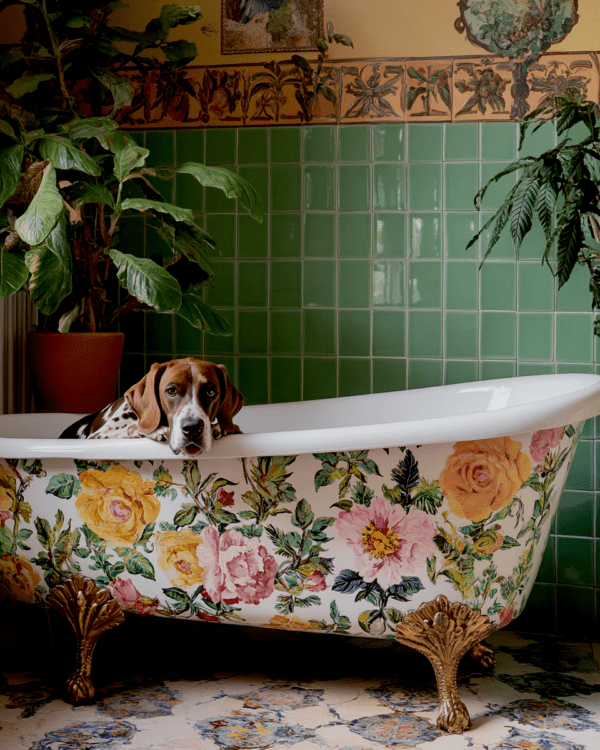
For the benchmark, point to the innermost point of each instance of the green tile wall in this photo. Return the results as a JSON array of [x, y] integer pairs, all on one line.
[[358, 280]]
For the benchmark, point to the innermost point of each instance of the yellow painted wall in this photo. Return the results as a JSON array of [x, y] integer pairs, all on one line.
[[378, 28]]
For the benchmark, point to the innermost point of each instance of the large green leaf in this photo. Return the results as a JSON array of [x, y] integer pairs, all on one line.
[[10, 170], [120, 89], [50, 282], [82, 193], [100, 128], [171, 15], [147, 281], [188, 238], [58, 243], [200, 315], [522, 208], [13, 273], [143, 204], [65, 155], [568, 244], [545, 204], [43, 212], [232, 185], [128, 156], [27, 84]]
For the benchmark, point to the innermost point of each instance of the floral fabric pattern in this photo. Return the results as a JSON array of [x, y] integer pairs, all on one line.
[[345, 542]]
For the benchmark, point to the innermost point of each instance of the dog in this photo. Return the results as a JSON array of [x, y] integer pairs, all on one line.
[[176, 402]]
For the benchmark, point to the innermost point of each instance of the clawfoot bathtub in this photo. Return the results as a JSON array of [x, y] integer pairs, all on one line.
[[419, 515]]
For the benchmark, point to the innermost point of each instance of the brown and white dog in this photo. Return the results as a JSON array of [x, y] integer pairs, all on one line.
[[177, 401]]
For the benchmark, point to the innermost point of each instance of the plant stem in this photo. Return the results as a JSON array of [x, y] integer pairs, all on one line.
[[68, 102]]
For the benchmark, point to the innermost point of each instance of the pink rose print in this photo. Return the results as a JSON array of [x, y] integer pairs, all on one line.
[[237, 568], [387, 543], [543, 441], [507, 615], [126, 594], [4, 516], [223, 497], [315, 582]]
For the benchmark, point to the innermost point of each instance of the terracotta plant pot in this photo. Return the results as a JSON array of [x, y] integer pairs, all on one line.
[[74, 372]]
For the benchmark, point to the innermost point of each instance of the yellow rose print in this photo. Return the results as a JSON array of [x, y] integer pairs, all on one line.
[[482, 476], [18, 578], [177, 557], [117, 504]]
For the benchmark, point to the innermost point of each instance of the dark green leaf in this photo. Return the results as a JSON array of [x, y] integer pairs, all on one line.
[[232, 185], [521, 214], [27, 84], [148, 282], [143, 204], [303, 515], [65, 155], [63, 486], [13, 272], [568, 245], [10, 170], [43, 212], [200, 315]]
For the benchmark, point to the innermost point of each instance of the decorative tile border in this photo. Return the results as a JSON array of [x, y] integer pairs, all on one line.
[[386, 90]]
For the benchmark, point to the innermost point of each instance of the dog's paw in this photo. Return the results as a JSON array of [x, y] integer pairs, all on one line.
[[133, 431], [161, 435], [216, 432]]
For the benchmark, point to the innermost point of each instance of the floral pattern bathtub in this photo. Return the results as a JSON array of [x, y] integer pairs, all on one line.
[[345, 542]]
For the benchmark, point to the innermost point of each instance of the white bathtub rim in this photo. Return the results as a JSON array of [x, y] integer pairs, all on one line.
[[568, 408]]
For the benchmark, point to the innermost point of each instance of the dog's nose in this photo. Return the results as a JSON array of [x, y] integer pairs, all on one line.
[[192, 428]]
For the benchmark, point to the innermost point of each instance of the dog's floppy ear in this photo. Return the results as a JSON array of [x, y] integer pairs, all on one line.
[[231, 402], [143, 399]]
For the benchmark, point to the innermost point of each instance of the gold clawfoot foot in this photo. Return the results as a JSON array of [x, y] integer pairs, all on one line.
[[484, 655], [91, 612], [444, 632]]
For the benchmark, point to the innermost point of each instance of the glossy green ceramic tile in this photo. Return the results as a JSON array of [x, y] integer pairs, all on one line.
[[253, 283], [222, 293], [258, 177], [461, 335], [222, 229], [424, 373], [389, 187], [319, 332], [286, 331], [576, 514], [390, 235], [388, 283], [460, 228], [573, 337], [253, 237], [536, 286], [461, 184], [354, 187], [534, 368], [575, 561], [575, 611], [320, 378], [536, 336], [499, 141], [355, 142], [504, 248], [285, 145], [498, 335], [286, 235], [215, 200], [354, 333], [424, 142], [319, 143], [534, 244], [319, 184], [221, 146], [189, 146], [319, 235], [462, 285], [161, 144], [537, 140], [319, 283], [354, 377], [354, 283], [286, 284], [253, 332], [425, 333], [354, 235], [498, 286], [189, 193], [575, 295], [492, 370], [460, 371], [581, 475], [286, 379], [389, 143], [547, 571], [425, 235], [286, 188], [388, 333], [159, 333], [253, 145], [425, 187], [497, 191], [389, 375], [461, 141], [425, 283], [540, 608], [221, 344], [253, 379]]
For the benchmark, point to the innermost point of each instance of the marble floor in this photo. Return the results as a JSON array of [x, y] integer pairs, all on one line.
[[164, 685]]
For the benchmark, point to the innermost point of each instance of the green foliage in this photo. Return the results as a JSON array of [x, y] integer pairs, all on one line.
[[69, 177], [561, 186]]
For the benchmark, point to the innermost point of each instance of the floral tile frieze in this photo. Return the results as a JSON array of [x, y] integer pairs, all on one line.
[[358, 91]]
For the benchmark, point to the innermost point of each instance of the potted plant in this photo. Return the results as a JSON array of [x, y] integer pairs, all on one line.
[[69, 179], [561, 186]]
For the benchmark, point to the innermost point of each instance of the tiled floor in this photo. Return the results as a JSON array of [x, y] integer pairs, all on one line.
[[165, 685]]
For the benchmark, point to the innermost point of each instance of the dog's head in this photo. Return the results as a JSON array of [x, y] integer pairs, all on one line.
[[186, 396]]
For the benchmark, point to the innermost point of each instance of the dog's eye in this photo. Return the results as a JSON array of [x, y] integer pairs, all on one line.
[[211, 391], [171, 390]]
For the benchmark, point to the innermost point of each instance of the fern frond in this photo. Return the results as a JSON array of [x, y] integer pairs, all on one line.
[[522, 208], [569, 243], [545, 204]]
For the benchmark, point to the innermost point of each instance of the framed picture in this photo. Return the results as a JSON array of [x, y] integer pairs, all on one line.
[[270, 25]]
